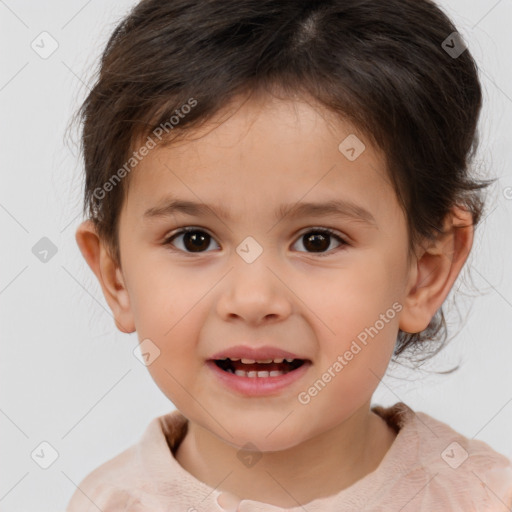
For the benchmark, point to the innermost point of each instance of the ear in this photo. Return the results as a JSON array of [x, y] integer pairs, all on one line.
[[435, 270], [109, 275]]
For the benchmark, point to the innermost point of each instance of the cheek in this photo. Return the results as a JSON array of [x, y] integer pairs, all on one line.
[[352, 298], [359, 309], [159, 296], [171, 319], [175, 330]]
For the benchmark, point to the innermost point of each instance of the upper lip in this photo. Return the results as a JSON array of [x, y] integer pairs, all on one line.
[[261, 353]]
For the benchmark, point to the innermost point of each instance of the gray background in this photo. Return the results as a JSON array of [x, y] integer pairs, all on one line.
[[69, 378]]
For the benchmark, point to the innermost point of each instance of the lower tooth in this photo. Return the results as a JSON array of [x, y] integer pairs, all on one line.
[[254, 374]]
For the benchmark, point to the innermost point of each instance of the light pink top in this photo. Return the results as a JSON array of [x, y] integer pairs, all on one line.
[[428, 468]]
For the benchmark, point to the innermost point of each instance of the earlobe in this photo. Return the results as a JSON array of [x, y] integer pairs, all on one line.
[[435, 270], [108, 274]]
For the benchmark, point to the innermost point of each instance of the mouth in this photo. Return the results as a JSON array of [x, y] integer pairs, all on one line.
[[258, 372], [254, 369]]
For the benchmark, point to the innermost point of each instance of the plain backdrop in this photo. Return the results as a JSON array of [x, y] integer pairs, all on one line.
[[70, 379]]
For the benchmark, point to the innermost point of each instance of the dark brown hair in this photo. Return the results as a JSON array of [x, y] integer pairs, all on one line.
[[380, 64]]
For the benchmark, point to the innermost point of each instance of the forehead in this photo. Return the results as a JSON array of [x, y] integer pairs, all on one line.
[[261, 151]]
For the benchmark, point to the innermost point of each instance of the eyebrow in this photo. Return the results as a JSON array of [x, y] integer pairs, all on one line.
[[336, 207]]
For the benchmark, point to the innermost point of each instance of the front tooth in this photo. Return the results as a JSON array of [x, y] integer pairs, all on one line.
[[264, 361], [280, 360], [248, 361], [262, 374], [252, 374]]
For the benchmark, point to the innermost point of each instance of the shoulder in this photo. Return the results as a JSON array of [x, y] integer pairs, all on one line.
[[122, 482], [446, 468], [106, 488]]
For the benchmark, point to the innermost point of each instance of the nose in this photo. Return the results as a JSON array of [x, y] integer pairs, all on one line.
[[254, 293]]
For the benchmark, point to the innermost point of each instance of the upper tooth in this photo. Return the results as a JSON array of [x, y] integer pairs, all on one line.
[[264, 361]]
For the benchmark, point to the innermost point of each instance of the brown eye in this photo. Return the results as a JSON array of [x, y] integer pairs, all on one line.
[[193, 240], [319, 240]]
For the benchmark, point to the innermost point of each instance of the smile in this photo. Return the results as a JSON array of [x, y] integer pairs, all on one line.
[[254, 378]]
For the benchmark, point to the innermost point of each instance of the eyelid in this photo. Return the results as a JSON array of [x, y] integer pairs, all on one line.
[[184, 229], [327, 229]]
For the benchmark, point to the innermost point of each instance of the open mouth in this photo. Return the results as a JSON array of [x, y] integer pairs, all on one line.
[[259, 369]]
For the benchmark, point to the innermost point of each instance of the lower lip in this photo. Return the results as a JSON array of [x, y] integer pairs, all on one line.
[[258, 386]]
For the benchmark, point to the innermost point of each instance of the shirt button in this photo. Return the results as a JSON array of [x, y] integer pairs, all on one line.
[[228, 502]]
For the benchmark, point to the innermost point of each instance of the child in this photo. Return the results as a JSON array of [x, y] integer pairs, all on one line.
[[220, 139]]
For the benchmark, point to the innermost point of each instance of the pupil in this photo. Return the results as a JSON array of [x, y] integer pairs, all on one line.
[[319, 246], [197, 239]]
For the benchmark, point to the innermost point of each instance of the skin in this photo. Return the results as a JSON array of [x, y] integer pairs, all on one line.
[[270, 152]]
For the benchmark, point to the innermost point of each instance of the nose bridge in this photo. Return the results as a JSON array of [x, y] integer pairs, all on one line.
[[252, 289], [250, 250], [251, 261]]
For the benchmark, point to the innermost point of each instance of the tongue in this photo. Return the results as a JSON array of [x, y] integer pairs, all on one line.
[[262, 367]]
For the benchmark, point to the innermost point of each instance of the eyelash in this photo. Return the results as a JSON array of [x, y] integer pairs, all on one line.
[[325, 231]]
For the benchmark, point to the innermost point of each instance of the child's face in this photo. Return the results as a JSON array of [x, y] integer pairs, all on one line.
[[312, 304]]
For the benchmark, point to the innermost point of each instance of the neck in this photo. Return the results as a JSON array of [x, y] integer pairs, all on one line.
[[320, 467]]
